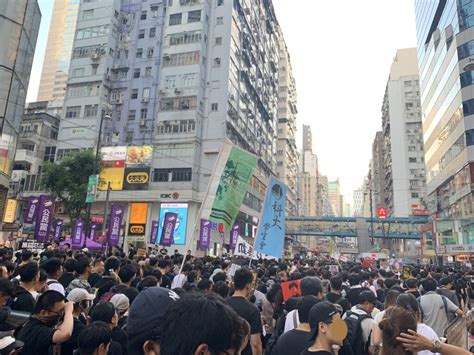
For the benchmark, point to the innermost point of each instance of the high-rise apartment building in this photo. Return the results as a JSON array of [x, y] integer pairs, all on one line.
[[358, 202], [58, 51], [377, 172], [19, 26], [183, 76], [324, 203], [335, 197], [404, 187], [308, 177], [445, 44]]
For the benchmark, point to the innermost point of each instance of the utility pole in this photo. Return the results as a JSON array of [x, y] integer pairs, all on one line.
[[371, 218], [107, 196]]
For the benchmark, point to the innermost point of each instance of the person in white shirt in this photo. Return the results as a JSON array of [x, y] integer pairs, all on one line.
[[54, 269], [180, 279]]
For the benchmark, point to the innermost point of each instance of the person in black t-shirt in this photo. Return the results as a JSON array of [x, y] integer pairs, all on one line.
[[96, 272], [239, 303], [412, 286], [107, 281], [29, 277], [164, 265], [105, 312], [68, 274], [335, 295], [95, 339], [297, 340]]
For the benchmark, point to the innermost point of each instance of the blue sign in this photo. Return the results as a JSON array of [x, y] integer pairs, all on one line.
[[271, 229], [181, 209]]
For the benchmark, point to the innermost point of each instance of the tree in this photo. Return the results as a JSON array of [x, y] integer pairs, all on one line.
[[67, 181]]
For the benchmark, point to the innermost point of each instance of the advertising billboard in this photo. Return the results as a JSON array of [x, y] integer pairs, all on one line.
[[10, 211], [181, 209], [136, 178], [139, 155], [138, 217], [113, 153]]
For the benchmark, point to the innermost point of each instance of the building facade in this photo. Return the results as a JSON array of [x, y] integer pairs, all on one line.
[[57, 56], [335, 197], [308, 177], [403, 149], [377, 171], [19, 26], [324, 203], [358, 202]]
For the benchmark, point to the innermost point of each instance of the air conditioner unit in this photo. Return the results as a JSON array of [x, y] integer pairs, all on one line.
[[118, 101], [95, 56], [177, 91], [166, 56], [142, 123]]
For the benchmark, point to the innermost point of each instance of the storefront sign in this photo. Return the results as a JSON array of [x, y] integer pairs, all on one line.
[[138, 218], [136, 178], [10, 211]]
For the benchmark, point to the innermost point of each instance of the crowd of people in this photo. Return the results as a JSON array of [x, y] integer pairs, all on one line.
[[62, 301]]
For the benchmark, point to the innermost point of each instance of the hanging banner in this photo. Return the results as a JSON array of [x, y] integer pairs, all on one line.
[[77, 233], [92, 188], [10, 211], [154, 231], [32, 209], [246, 250], [167, 232], [271, 229], [232, 186], [234, 235], [92, 230], [44, 218], [58, 230], [115, 223], [205, 234]]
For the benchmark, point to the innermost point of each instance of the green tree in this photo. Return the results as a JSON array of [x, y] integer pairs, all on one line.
[[67, 181]]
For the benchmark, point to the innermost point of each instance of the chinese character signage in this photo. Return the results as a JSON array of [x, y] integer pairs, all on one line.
[[136, 178], [154, 232], [271, 230], [205, 234], [92, 230], [181, 209], [112, 172], [31, 209], [91, 189], [58, 230], [382, 212], [115, 224], [138, 218], [77, 233], [232, 186], [44, 218], [10, 211], [246, 250], [167, 231], [234, 234]]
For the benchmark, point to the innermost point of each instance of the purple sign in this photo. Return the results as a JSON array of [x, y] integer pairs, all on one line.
[[167, 232], [44, 218], [154, 232], [205, 234], [77, 233], [92, 245], [234, 235], [58, 230], [92, 231], [32, 209], [115, 223]]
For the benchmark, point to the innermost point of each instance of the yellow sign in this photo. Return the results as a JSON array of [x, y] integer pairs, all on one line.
[[137, 229], [112, 175], [138, 213], [10, 211], [139, 155], [137, 178], [4, 161]]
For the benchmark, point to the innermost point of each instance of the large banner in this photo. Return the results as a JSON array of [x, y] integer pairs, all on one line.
[[167, 232], [154, 232], [31, 209], [115, 222], [181, 209], [58, 230], [246, 250], [44, 218], [205, 234], [234, 235], [232, 186], [138, 219], [77, 233], [271, 229]]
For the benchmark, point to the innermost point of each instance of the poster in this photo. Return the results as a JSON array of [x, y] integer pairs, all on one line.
[[44, 218], [114, 176], [291, 289], [271, 230], [115, 224], [246, 250], [154, 232], [58, 230], [234, 235], [10, 211], [232, 187], [181, 209]]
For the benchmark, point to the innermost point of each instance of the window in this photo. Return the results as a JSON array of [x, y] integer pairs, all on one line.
[[217, 62], [129, 137], [161, 175], [412, 160], [94, 69], [154, 11], [134, 94], [415, 195], [146, 95], [150, 52], [49, 153], [407, 84], [179, 103], [118, 115], [143, 15], [91, 110], [178, 59], [175, 19], [123, 74], [131, 115], [152, 32], [220, 21], [214, 107], [182, 174], [409, 105], [184, 38], [73, 111], [77, 72], [143, 113], [139, 53], [87, 15], [136, 73], [194, 16], [148, 71], [220, 2], [141, 34], [218, 41], [188, 80], [91, 32], [179, 126]]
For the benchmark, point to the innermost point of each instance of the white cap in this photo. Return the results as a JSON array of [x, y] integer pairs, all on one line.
[[79, 294]]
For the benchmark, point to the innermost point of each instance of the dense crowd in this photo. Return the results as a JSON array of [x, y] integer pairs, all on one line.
[[76, 302]]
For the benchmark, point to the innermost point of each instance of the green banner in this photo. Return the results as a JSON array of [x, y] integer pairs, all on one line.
[[91, 189], [232, 187]]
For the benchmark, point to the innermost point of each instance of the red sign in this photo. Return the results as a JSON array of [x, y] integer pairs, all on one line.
[[419, 212], [382, 212]]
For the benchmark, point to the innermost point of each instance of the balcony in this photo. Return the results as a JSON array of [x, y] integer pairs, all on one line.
[[25, 156]]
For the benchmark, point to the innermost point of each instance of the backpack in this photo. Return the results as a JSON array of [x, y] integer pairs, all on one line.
[[355, 334], [277, 332]]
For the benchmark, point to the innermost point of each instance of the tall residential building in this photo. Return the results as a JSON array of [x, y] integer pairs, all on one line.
[[358, 202], [377, 171], [308, 177], [19, 26], [405, 180], [336, 198], [445, 43], [325, 207], [58, 51], [287, 154], [183, 76]]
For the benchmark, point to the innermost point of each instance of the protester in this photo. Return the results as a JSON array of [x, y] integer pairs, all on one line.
[[180, 279], [29, 276], [396, 321], [95, 339], [164, 266], [335, 295], [105, 312], [97, 270], [83, 270], [390, 300], [121, 304], [68, 273], [54, 270]]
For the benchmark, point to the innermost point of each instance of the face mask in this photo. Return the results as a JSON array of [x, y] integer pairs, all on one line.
[[50, 321]]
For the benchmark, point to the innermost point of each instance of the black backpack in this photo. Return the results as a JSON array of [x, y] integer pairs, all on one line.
[[355, 334], [277, 332]]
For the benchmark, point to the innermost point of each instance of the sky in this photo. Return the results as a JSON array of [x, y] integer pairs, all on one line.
[[341, 52]]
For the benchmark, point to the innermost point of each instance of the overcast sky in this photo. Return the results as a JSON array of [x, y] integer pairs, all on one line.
[[341, 54]]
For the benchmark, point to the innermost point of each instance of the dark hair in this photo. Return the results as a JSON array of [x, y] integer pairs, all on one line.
[[336, 283], [411, 283], [307, 302], [391, 298], [163, 263], [28, 272], [26, 255], [147, 281], [311, 286], [127, 273], [43, 276], [397, 320], [444, 281], [409, 302], [221, 288], [82, 264], [51, 266], [149, 271], [204, 284], [221, 328], [354, 279], [7, 288], [111, 263], [152, 261], [429, 284], [70, 265], [93, 336], [47, 300], [192, 276], [131, 293], [389, 283], [242, 278], [220, 276], [103, 312]]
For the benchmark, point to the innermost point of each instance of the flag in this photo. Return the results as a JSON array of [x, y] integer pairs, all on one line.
[[205, 234], [44, 218], [32, 209], [115, 223], [234, 234], [169, 224], [58, 230], [154, 232], [92, 231], [77, 233]]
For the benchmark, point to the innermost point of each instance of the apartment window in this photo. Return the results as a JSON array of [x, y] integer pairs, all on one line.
[[91, 110], [179, 103], [175, 19], [194, 16], [182, 174], [73, 111], [141, 34], [218, 41], [87, 15], [412, 160], [150, 52], [91, 32], [154, 11], [131, 115], [129, 137], [152, 32], [220, 20], [187, 58], [94, 69], [134, 94], [409, 105], [49, 153], [161, 175], [184, 38], [118, 115], [146, 95], [189, 80], [139, 53], [148, 71], [136, 73], [415, 195], [123, 74], [143, 15], [143, 113], [220, 2], [214, 107], [77, 72], [407, 84]]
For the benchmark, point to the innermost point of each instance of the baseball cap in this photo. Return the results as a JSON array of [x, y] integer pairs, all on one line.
[[367, 296], [320, 312], [79, 294], [8, 343], [120, 302]]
